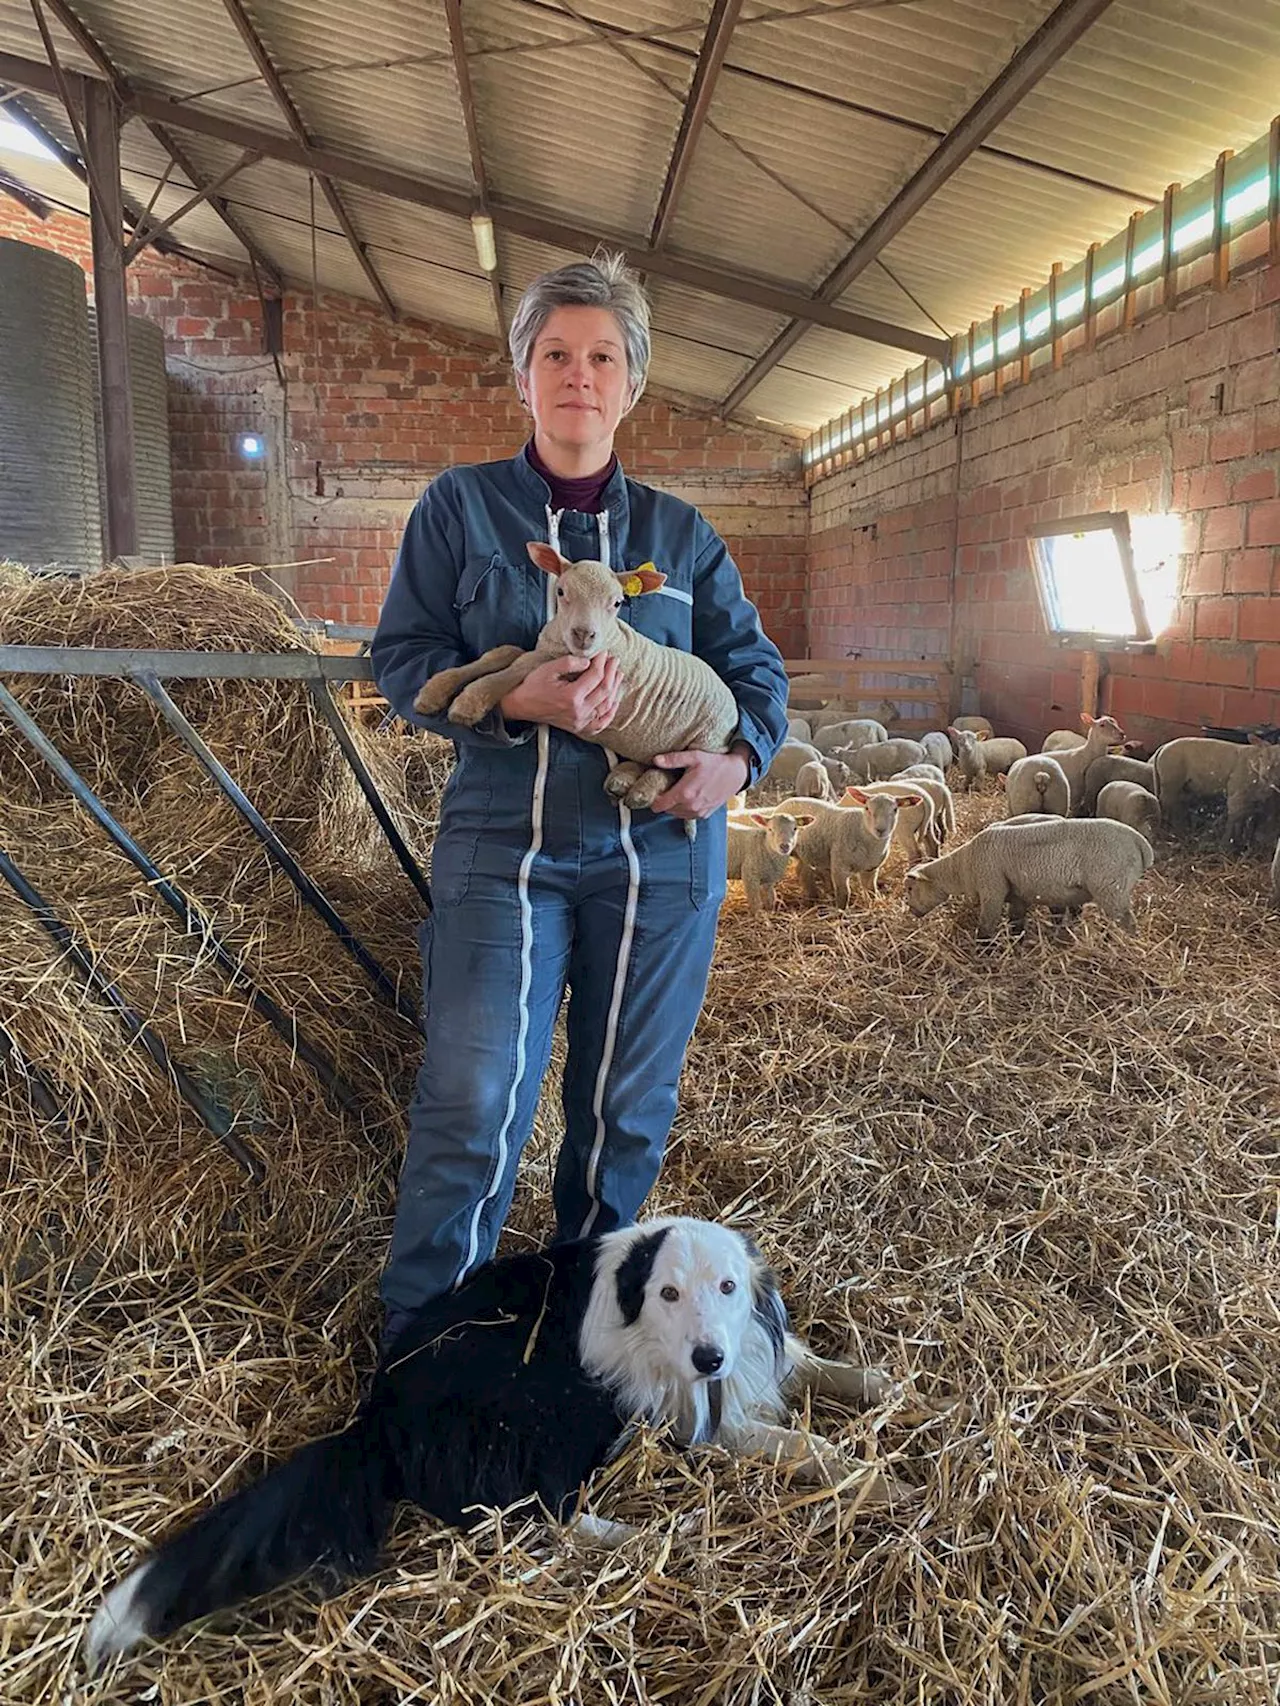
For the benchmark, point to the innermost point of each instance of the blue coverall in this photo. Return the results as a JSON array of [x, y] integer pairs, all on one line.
[[539, 878]]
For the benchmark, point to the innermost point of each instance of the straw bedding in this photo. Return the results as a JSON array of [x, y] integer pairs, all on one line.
[[1039, 1178]]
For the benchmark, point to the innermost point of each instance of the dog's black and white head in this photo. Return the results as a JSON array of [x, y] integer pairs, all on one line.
[[685, 1324]]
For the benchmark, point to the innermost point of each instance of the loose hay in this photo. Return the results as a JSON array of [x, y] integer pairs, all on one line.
[[1043, 1175]]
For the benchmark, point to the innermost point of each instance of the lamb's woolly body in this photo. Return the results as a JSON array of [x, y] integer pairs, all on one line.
[[937, 749], [883, 760], [1197, 768], [813, 781], [789, 758], [1114, 767], [1127, 803], [1062, 740], [975, 725], [1000, 754], [856, 732], [969, 759], [798, 729], [1037, 784], [1060, 862], [1101, 733]]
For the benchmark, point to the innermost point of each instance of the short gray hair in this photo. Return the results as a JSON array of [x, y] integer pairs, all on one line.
[[605, 281]]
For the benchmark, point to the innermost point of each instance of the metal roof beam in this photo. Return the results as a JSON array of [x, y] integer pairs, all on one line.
[[1060, 31], [124, 94], [715, 44], [777, 298], [271, 77], [466, 94]]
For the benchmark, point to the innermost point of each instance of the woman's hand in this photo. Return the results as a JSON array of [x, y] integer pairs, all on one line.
[[579, 695], [708, 781]]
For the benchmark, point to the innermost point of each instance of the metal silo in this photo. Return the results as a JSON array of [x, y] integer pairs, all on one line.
[[152, 467], [50, 510]]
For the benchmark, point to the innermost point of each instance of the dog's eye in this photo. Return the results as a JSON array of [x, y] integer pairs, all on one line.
[[727, 1286], [670, 1294]]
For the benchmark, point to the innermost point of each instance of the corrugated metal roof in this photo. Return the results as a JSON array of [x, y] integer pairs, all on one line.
[[577, 119]]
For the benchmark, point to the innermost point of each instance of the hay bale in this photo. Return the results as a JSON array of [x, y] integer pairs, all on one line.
[[1043, 1176]]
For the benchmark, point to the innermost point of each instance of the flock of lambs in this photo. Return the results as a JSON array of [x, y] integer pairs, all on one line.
[[1081, 825]]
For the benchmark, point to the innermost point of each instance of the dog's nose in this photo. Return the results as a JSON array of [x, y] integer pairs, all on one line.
[[707, 1358], [583, 637]]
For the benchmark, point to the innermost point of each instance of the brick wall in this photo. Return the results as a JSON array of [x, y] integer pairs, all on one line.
[[1179, 414], [369, 411]]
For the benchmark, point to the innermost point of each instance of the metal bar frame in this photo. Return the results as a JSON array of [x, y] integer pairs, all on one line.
[[143, 237], [1060, 31], [271, 77], [184, 666], [38, 1082], [192, 916], [310, 891], [125, 94], [711, 56], [777, 297], [135, 1028]]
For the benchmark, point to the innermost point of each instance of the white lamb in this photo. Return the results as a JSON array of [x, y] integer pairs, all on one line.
[[1000, 753], [970, 761], [1062, 740], [1127, 803], [1100, 733], [844, 843], [814, 782], [1057, 862], [798, 728], [924, 771], [852, 731], [981, 726], [789, 758], [878, 763], [760, 851], [937, 747], [916, 830], [1195, 769], [1037, 784], [1114, 767], [670, 701]]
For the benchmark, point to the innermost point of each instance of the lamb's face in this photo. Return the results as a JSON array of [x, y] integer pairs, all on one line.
[[922, 893], [588, 598]]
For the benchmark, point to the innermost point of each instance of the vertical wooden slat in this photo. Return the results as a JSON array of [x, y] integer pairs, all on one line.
[[1089, 669], [973, 377], [1273, 192], [1130, 289], [1055, 330], [1024, 354], [1169, 279], [998, 369], [927, 400], [1090, 309], [106, 223], [1221, 235]]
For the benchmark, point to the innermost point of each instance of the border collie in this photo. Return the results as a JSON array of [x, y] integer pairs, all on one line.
[[515, 1387]]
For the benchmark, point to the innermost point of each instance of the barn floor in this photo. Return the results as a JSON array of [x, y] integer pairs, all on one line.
[[1041, 1178]]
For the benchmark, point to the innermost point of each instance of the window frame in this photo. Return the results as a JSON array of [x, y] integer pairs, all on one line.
[[1115, 522]]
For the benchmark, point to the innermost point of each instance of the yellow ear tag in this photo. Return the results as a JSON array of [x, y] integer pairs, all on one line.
[[633, 586]]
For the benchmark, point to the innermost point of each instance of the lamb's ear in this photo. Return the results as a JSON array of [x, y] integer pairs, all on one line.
[[1087, 720], [767, 1307], [548, 560], [650, 580], [905, 800], [762, 818]]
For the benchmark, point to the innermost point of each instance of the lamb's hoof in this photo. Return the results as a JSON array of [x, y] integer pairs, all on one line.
[[616, 786], [434, 695], [468, 708], [641, 795]]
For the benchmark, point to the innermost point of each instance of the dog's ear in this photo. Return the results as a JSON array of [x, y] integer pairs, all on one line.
[[767, 1307], [633, 1273]]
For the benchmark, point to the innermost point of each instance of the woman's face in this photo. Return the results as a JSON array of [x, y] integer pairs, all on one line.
[[578, 386]]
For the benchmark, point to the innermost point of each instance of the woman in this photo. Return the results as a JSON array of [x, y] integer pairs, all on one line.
[[539, 879]]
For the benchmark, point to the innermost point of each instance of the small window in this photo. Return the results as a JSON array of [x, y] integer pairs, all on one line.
[[1086, 579]]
